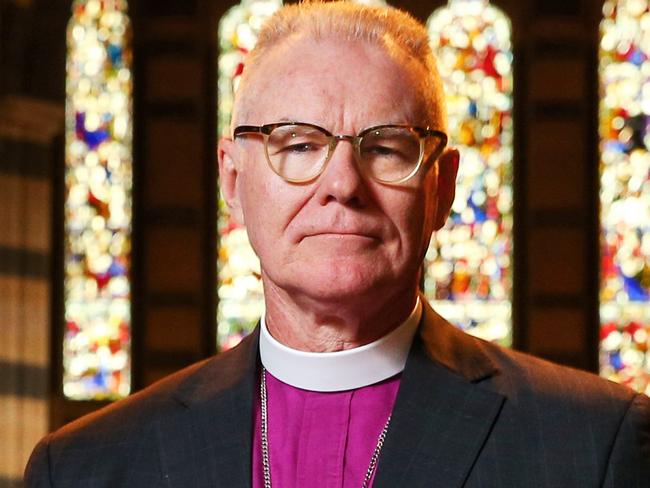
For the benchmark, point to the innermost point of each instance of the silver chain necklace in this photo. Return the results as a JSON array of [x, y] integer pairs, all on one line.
[[266, 465]]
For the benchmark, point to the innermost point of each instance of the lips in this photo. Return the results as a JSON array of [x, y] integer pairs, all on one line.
[[340, 225], [341, 233]]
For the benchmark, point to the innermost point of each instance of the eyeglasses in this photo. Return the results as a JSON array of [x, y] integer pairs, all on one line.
[[299, 152]]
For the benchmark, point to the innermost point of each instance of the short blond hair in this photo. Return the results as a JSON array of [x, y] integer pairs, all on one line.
[[389, 29]]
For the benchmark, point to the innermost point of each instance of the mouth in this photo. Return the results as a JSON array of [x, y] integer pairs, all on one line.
[[341, 235]]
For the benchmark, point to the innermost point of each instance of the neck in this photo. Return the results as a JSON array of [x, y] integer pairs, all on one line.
[[312, 325]]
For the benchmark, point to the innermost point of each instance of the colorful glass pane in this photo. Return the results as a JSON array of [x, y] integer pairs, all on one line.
[[625, 193], [468, 276], [240, 292], [241, 299], [98, 180]]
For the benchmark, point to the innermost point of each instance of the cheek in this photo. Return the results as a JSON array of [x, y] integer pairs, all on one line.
[[417, 221], [430, 202], [268, 206], [252, 191], [256, 190]]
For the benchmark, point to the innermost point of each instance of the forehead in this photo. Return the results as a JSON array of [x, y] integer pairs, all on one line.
[[334, 82]]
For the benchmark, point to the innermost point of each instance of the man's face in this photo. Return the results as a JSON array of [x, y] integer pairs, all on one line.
[[342, 236]]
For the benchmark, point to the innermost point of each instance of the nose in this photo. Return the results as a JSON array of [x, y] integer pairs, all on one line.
[[341, 181]]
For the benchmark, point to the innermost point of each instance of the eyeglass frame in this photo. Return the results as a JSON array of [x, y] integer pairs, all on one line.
[[266, 129]]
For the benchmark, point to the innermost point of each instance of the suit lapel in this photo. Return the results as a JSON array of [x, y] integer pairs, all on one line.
[[205, 441], [442, 417]]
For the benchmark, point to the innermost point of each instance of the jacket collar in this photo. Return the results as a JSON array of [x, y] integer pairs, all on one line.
[[443, 413], [455, 350]]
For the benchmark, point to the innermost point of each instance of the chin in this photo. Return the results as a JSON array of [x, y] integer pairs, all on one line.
[[340, 280]]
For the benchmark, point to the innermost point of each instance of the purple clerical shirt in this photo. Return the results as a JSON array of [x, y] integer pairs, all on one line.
[[321, 439]]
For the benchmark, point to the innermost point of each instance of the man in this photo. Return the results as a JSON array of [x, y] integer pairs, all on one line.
[[337, 165]]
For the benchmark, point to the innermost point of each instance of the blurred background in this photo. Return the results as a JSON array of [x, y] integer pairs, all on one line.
[[119, 264]]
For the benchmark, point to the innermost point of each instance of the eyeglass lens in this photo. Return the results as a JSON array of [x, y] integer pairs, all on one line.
[[298, 152], [390, 153]]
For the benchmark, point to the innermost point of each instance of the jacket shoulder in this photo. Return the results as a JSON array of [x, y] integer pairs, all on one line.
[[572, 417], [524, 374], [101, 443], [136, 411], [108, 440], [514, 374]]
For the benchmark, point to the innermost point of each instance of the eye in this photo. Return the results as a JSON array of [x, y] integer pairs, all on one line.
[[380, 150], [392, 144], [292, 140], [303, 147], [384, 149]]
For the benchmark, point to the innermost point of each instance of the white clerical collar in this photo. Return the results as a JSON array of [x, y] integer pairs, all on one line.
[[340, 370]]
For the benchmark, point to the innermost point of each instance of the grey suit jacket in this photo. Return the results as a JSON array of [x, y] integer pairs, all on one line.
[[468, 414]]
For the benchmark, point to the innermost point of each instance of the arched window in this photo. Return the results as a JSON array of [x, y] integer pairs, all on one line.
[[625, 193], [241, 299], [468, 267], [98, 180], [240, 292]]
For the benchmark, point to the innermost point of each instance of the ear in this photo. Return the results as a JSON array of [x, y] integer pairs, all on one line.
[[229, 157], [446, 189]]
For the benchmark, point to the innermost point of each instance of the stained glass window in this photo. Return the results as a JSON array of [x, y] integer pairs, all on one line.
[[240, 292], [468, 265], [98, 179], [241, 299], [625, 193]]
